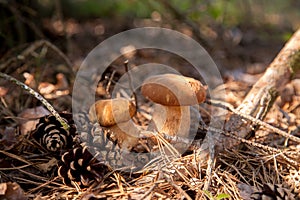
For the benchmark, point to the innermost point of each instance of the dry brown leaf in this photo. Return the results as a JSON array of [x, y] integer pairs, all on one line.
[[51, 91], [29, 80], [57, 94], [3, 91], [11, 191], [30, 117], [3, 188], [8, 138], [46, 88]]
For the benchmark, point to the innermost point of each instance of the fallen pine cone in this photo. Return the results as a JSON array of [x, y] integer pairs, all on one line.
[[101, 143], [292, 180], [81, 167], [51, 135], [271, 191]]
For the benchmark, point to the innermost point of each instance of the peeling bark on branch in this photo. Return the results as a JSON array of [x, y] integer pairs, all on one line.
[[261, 96], [263, 93]]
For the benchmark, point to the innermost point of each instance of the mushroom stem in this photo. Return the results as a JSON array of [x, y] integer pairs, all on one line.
[[171, 120], [126, 133]]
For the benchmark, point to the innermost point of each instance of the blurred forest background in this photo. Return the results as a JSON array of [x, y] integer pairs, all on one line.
[[42, 42], [237, 34]]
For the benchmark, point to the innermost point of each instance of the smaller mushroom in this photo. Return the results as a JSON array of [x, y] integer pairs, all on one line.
[[174, 95], [115, 115]]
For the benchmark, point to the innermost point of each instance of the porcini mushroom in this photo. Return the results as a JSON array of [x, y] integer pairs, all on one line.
[[174, 95], [116, 114]]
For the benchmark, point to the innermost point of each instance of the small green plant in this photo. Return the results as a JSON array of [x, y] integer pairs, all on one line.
[[221, 196]]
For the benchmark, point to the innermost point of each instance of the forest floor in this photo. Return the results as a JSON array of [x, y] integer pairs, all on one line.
[[242, 58]]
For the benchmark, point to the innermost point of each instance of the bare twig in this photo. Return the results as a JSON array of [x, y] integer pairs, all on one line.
[[180, 190], [252, 119], [30, 50], [261, 146], [19, 158], [130, 83], [109, 83], [150, 190]]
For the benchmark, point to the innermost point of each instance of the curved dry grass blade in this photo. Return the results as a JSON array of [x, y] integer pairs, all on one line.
[[38, 96]]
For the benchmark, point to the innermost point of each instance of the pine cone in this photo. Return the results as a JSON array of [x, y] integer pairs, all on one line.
[[114, 156], [271, 191], [292, 180], [99, 141], [80, 166], [50, 133], [82, 121]]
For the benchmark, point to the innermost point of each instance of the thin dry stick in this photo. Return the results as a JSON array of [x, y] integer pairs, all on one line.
[[16, 157], [34, 176], [151, 189], [14, 168], [39, 97], [182, 192], [162, 142], [43, 185], [254, 120], [29, 50], [109, 83], [210, 166], [235, 169], [130, 83], [25, 181], [261, 146]]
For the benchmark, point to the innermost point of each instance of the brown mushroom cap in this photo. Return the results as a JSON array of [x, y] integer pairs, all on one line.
[[173, 90], [111, 111]]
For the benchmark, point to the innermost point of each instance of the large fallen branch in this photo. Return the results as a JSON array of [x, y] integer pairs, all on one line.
[[258, 100]]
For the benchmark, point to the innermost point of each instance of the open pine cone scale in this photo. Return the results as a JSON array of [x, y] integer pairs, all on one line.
[[51, 135], [273, 191], [105, 147], [79, 165], [87, 153]]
